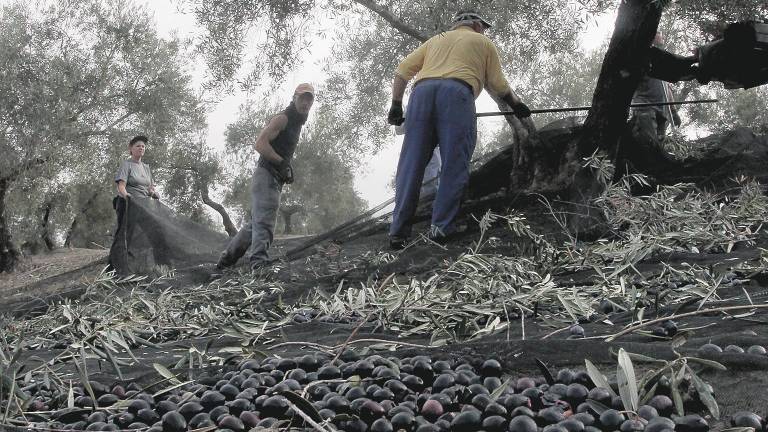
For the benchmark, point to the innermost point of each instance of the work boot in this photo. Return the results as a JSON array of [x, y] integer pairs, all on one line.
[[438, 236], [397, 243]]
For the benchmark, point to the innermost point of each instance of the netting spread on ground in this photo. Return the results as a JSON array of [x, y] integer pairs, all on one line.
[[152, 235]]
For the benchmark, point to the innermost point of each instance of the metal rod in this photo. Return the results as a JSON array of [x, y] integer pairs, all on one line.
[[587, 108]]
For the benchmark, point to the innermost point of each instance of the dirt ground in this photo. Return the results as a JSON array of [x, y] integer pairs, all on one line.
[[35, 268]]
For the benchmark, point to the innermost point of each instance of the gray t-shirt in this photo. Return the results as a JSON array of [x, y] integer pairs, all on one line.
[[137, 177]]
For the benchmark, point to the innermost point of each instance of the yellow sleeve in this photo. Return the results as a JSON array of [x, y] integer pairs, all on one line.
[[413, 63], [495, 81]]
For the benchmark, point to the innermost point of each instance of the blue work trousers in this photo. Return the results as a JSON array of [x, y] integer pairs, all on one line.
[[441, 113]]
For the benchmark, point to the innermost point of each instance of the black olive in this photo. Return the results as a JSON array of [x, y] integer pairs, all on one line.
[[647, 412], [329, 373], [611, 419], [756, 350], [710, 348], [275, 406], [165, 406], [286, 364], [403, 420], [211, 399], [414, 383], [746, 419], [442, 382], [550, 415], [217, 412], [492, 383], [691, 423], [491, 368], [232, 422], [565, 376], [107, 400], [467, 421], [572, 425], [481, 401], [174, 422], [522, 411], [237, 406], [494, 409], [364, 368], [495, 424], [576, 394], [195, 421], [523, 423], [585, 418], [371, 411], [432, 409], [382, 425], [338, 404], [97, 417], [148, 416], [124, 419], [662, 404], [249, 419], [632, 426]]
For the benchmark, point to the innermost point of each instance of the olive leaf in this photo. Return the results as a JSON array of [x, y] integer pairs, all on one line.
[[710, 363], [546, 372], [705, 394], [499, 391], [303, 404], [597, 377], [165, 373], [625, 375]]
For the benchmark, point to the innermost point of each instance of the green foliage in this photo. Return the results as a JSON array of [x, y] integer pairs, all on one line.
[[78, 82]]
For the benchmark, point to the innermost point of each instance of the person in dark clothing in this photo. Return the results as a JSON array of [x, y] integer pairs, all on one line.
[[650, 123], [276, 144]]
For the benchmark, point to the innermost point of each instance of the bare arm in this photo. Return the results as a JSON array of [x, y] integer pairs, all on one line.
[[121, 189], [270, 132], [398, 88]]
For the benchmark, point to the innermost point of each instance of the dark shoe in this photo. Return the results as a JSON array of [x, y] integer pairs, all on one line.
[[225, 261], [438, 236], [397, 243]]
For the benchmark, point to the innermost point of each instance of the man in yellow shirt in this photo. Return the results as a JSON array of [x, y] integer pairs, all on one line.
[[451, 69]]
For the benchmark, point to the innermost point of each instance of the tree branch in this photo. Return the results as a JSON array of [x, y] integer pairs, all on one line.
[[392, 19], [228, 225]]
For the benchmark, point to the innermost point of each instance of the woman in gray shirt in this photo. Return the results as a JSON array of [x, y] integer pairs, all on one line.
[[134, 176], [134, 181]]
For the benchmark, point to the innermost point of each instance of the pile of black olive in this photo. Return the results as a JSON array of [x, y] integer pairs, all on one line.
[[373, 394]]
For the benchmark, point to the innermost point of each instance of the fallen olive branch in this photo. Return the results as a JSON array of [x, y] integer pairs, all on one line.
[[687, 314], [365, 320]]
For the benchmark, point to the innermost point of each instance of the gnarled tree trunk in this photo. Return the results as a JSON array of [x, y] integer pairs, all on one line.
[[9, 254], [226, 220], [45, 231]]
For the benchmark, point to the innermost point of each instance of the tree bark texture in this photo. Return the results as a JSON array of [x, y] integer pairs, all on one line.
[[9, 254], [229, 227], [76, 220], [45, 232]]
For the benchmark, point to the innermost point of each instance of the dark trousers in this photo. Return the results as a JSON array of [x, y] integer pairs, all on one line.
[[440, 113]]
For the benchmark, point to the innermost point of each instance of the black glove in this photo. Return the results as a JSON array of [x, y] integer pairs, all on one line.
[[285, 172], [521, 110], [395, 117]]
